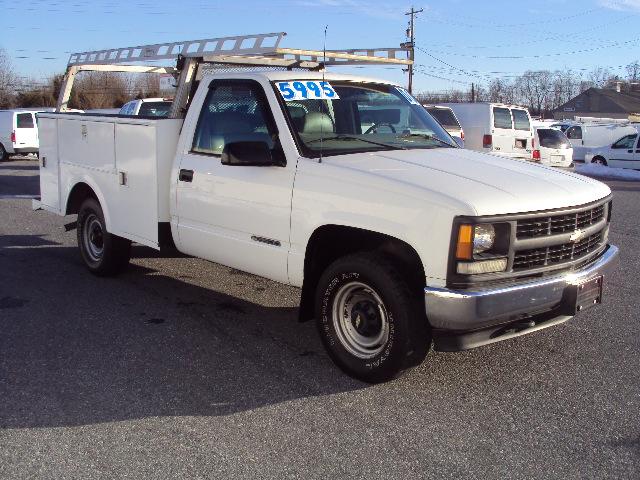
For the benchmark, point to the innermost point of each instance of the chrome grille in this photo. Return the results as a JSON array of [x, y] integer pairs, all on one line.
[[557, 224], [556, 254]]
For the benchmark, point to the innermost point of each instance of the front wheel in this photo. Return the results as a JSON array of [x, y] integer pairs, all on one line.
[[371, 323], [599, 161], [103, 253]]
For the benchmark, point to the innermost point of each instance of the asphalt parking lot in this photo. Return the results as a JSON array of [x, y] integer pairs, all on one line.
[[181, 368]]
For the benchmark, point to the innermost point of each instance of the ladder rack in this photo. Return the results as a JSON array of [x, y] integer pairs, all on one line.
[[259, 44], [258, 50], [263, 47]]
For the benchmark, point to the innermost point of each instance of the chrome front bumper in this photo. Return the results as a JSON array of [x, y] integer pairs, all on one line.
[[460, 311]]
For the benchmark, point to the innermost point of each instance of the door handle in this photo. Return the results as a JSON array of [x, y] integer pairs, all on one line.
[[629, 151], [185, 175]]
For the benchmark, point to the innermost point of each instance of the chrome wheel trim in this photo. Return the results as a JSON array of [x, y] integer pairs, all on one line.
[[360, 320], [93, 237]]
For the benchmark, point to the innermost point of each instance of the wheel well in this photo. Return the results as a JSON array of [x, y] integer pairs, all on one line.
[[78, 194], [330, 242]]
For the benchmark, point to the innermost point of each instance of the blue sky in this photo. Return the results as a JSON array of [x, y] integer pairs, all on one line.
[[459, 41]]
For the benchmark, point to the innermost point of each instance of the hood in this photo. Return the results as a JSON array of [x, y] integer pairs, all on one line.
[[489, 184]]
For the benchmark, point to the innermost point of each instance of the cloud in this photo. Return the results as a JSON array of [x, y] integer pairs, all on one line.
[[622, 5]]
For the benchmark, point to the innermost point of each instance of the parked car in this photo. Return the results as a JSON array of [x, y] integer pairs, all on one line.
[[447, 119], [623, 153], [584, 137], [552, 148], [495, 128], [19, 131], [147, 107]]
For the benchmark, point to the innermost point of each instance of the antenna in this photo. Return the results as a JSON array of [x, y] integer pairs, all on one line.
[[324, 59]]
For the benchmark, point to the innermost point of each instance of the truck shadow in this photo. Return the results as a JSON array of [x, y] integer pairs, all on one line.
[[76, 349]]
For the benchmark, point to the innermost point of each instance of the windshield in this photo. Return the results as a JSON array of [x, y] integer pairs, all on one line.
[[154, 109], [357, 117], [445, 116], [551, 138]]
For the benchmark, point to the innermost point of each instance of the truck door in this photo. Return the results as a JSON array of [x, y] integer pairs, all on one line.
[[234, 215], [26, 132], [502, 131], [623, 153]]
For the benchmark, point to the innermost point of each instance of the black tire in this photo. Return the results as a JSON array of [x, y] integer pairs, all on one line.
[[599, 160], [371, 293], [4, 156], [104, 254]]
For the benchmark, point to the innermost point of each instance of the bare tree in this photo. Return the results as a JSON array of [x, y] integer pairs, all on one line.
[[147, 85], [8, 81], [600, 77], [633, 71]]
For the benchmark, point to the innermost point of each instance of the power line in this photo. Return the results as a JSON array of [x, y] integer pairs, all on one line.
[[537, 40], [630, 42]]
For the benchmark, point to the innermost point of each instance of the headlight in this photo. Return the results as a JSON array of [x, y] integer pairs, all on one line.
[[482, 248], [474, 239], [483, 238]]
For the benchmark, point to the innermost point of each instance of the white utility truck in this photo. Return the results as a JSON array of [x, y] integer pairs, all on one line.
[[395, 236]]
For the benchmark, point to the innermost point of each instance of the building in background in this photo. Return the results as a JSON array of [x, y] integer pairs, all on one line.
[[602, 103]]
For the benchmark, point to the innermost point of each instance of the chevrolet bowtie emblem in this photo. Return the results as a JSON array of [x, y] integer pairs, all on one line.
[[577, 235]]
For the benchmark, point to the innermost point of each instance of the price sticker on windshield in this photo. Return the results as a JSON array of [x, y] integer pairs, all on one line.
[[306, 90]]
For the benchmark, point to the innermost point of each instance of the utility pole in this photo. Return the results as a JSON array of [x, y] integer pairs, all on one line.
[[411, 44]]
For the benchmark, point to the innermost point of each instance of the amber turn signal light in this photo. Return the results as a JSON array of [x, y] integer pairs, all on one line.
[[464, 247]]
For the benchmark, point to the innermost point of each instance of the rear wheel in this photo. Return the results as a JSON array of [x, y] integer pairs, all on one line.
[[371, 323], [3, 154], [599, 160], [103, 253]]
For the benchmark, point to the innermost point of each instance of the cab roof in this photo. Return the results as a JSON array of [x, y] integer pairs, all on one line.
[[280, 75]]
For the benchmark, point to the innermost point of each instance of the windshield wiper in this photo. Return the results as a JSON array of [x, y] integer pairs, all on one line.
[[349, 137], [427, 137]]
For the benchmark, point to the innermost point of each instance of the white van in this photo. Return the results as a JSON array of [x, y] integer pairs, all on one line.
[[584, 137], [552, 148], [446, 118], [495, 128], [623, 153], [19, 131]]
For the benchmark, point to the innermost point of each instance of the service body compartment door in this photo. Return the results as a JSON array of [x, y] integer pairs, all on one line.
[[49, 164], [135, 207]]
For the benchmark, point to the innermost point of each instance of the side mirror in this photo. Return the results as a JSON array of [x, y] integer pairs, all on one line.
[[459, 141], [249, 154]]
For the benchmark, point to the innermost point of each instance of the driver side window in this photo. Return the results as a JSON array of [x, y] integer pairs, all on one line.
[[626, 143], [232, 112]]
